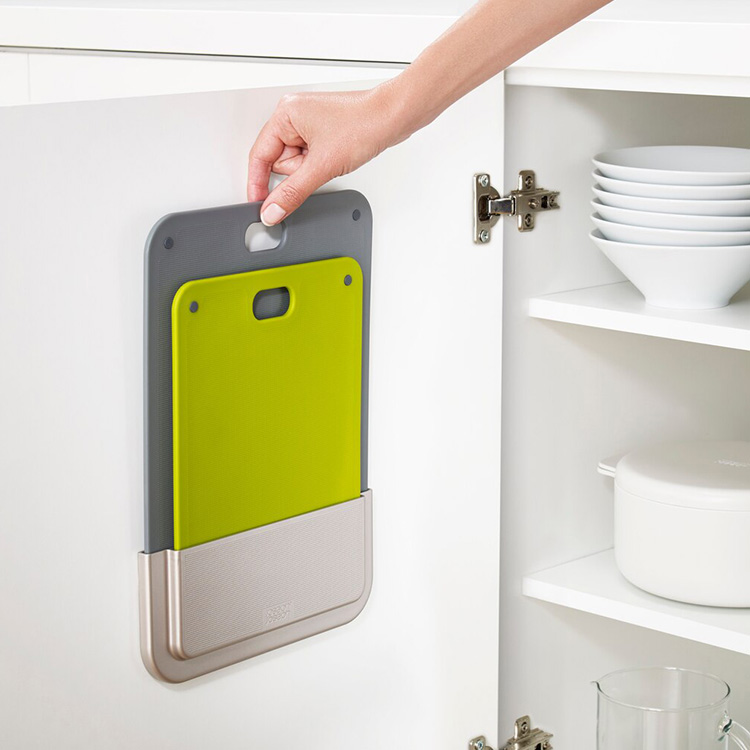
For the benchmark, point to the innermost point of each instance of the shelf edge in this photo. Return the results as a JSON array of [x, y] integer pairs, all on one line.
[[535, 588], [545, 308]]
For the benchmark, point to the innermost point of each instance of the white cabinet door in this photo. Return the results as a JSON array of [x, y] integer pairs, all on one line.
[[14, 78], [82, 185], [61, 77]]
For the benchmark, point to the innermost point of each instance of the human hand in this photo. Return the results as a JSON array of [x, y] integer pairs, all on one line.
[[314, 137]]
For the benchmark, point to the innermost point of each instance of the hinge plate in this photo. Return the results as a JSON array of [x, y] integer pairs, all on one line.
[[523, 203], [524, 738]]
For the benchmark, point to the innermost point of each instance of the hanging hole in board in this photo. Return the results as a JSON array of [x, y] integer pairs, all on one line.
[[356, 214], [260, 237], [271, 303], [347, 280]]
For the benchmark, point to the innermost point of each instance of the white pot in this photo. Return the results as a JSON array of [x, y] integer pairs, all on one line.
[[682, 520]]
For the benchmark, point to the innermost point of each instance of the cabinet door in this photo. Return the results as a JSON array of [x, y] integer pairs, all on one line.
[[14, 78], [55, 77], [82, 185]]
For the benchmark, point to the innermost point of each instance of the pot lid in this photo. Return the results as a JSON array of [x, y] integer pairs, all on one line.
[[710, 474]]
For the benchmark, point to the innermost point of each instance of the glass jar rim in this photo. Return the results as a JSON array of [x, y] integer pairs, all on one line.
[[704, 707]]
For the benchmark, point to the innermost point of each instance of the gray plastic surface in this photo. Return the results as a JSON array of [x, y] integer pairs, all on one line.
[[211, 242]]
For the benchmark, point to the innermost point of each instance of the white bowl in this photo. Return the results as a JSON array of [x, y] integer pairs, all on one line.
[[689, 192], [667, 206], [684, 278], [677, 165], [672, 221], [674, 237]]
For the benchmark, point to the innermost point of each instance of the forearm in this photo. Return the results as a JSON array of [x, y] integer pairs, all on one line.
[[487, 39]]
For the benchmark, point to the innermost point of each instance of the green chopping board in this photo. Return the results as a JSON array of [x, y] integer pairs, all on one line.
[[266, 413]]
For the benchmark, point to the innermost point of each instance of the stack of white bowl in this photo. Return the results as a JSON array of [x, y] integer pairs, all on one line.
[[676, 221]]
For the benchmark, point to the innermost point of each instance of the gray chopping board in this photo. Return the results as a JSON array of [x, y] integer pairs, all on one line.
[[211, 242]]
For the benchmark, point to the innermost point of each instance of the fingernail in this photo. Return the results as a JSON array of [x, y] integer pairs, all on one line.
[[272, 215]]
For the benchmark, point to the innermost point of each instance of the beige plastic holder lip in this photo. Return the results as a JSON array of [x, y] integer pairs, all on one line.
[[219, 603]]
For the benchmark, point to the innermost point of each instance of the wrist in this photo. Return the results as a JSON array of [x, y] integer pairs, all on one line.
[[391, 107]]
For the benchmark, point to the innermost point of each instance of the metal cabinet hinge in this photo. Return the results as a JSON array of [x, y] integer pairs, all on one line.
[[522, 203], [524, 738]]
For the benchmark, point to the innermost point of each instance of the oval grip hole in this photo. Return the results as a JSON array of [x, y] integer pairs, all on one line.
[[271, 303], [260, 237]]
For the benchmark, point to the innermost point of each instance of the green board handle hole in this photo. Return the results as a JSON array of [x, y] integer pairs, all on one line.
[[271, 303]]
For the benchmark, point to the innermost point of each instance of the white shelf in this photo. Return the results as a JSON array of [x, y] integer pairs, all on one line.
[[620, 307], [593, 584]]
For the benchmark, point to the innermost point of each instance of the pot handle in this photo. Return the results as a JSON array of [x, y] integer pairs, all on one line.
[[608, 467], [736, 732]]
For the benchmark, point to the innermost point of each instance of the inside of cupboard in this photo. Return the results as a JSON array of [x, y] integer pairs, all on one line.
[[574, 394]]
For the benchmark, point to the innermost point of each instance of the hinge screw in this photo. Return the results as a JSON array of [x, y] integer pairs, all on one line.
[[528, 220], [484, 236], [484, 180], [479, 743], [528, 181]]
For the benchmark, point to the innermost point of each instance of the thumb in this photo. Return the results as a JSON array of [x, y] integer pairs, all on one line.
[[292, 192]]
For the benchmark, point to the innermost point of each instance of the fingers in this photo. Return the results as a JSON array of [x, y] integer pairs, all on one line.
[[290, 160], [267, 149], [293, 191]]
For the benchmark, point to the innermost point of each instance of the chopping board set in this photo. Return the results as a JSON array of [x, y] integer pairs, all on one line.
[[250, 420], [258, 515]]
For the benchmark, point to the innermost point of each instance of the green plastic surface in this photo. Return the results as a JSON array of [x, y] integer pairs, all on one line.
[[266, 412]]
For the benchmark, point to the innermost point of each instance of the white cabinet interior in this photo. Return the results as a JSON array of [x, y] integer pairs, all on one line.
[[574, 394]]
